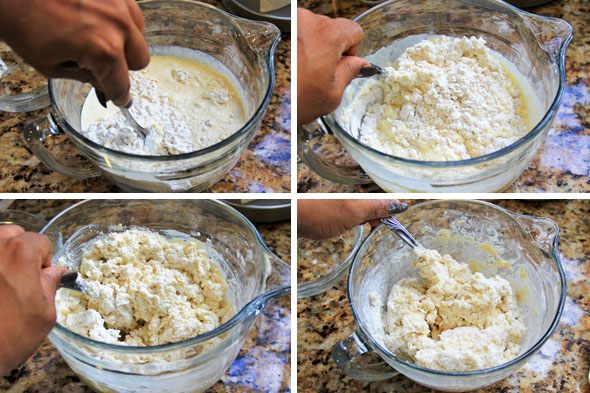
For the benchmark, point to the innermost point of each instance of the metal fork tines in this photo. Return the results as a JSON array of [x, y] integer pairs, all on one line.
[[72, 280], [396, 227]]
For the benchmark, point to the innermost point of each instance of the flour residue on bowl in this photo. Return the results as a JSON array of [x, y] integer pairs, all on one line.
[[145, 289], [452, 319], [441, 99], [187, 101]]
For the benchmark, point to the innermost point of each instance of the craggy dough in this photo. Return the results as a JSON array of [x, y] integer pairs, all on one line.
[[146, 289], [444, 100], [452, 319]]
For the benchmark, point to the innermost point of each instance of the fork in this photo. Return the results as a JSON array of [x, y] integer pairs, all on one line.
[[396, 227]]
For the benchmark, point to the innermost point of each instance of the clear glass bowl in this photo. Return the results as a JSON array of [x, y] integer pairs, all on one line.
[[255, 277], [22, 88], [536, 46], [29, 222], [245, 47], [333, 258], [527, 257]]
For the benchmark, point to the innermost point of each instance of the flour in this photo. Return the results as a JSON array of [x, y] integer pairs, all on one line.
[[452, 319], [442, 100], [145, 289], [186, 106]]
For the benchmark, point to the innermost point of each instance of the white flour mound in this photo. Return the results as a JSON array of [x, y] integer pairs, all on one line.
[[442, 100], [184, 111]]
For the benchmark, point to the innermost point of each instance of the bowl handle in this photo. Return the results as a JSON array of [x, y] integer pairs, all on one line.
[[553, 34], [337, 173], [544, 231], [277, 278], [35, 133], [346, 354]]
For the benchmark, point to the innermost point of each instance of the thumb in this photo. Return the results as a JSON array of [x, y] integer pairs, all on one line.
[[381, 208], [50, 281], [347, 69]]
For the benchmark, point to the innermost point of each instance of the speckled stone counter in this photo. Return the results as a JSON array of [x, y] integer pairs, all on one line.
[[561, 365], [263, 364], [562, 163], [264, 167]]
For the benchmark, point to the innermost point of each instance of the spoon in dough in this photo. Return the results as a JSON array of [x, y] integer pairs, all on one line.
[[396, 227], [142, 132], [73, 281]]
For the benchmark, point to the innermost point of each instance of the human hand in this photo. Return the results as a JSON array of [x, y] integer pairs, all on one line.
[[325, 62], [96, 41], [326, 218], [27, 291]]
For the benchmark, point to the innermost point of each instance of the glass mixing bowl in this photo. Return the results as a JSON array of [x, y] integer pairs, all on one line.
[[245, 47], [521, 249], [29, 222], [536, 46], [22, 88], [322, 263], [254, 274]]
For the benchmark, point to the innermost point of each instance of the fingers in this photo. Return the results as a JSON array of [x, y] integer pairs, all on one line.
[[347, 34], [112, 74], [136, 49], [347, 69], [8, 231], [137, 53], [39, 246], [50, 281], [372, 209], [136, 15]]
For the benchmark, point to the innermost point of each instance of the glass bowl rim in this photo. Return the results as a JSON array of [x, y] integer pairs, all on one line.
[[235, 321], [545, 120], [534, 348], [209, 149]]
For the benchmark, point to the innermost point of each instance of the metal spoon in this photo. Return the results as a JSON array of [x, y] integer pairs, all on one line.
[[396, 227], [142, 132], [72, 280]]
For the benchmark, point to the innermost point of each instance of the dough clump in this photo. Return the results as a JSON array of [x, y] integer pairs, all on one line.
[[443, 100], [146, 289], [452, 319]]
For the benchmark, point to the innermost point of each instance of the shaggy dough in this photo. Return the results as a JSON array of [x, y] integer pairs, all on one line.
[[452, 319], [146, 289], [443, 100]]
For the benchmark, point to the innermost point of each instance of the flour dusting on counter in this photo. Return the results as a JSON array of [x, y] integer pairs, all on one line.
[[452, 319]]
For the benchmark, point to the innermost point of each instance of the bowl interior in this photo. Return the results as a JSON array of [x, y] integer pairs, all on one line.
[[233, 241], [194, 26], [485, 237], [392, 27]]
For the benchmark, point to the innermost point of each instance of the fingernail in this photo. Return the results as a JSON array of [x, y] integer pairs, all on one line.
[[395, 207], [102, 98]]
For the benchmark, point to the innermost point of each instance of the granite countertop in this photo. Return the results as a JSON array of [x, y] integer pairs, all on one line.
[[561, 365], [263, 364], [562, 163], [264, 167]]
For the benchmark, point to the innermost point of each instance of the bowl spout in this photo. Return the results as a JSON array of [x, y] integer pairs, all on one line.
[[552, 34]]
